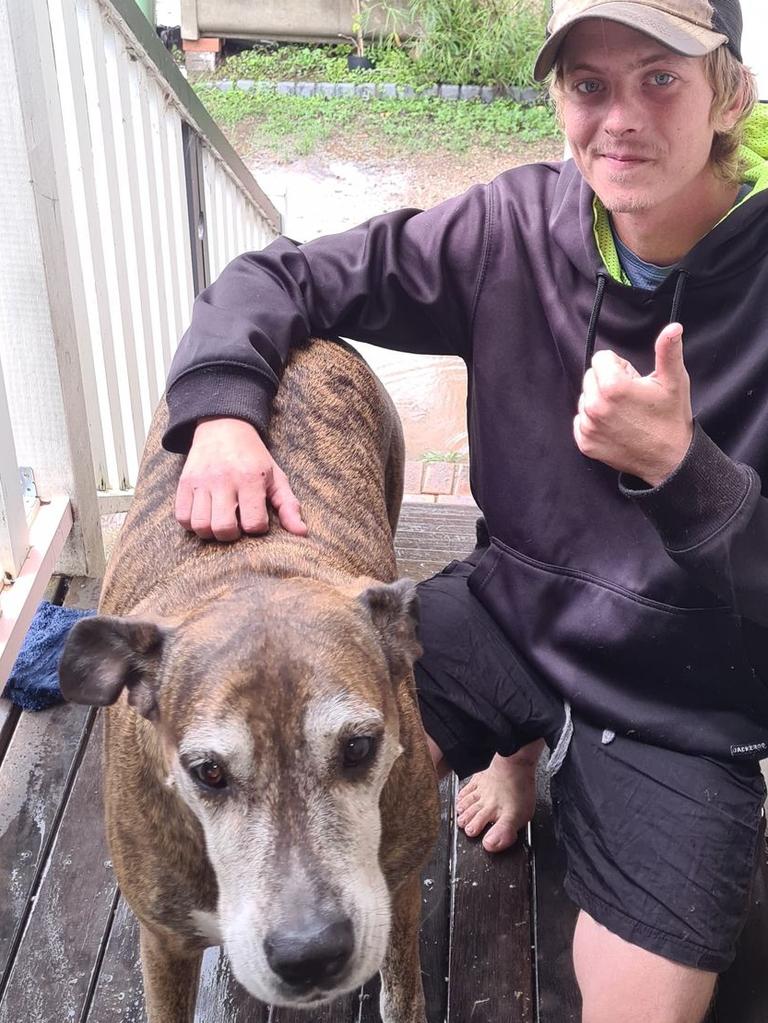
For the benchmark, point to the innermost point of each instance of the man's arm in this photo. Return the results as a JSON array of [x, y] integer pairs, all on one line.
[[713, 521], [708, 509], [406, 280]]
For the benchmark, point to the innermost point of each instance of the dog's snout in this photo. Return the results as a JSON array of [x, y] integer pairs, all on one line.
[[312, 955]]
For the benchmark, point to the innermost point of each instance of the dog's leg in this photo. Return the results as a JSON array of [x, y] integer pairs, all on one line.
[[402, 995], [170, 980]]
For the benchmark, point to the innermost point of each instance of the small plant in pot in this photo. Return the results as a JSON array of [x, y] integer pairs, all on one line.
[[358, 60]]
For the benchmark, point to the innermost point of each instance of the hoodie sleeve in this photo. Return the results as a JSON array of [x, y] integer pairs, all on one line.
[[713, 520], [406, 280]]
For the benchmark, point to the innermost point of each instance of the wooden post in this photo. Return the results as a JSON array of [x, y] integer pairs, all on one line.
[[41, 358]]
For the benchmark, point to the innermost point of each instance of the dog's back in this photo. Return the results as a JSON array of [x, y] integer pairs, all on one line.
[[337, 436]]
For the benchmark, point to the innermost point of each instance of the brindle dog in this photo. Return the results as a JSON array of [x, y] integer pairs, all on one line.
[[267, 781]]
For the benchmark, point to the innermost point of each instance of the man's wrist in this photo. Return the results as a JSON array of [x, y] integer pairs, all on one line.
[[660, 470], [697, 498]]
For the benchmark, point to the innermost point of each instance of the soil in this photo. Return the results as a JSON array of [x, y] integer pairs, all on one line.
[[338, 189]]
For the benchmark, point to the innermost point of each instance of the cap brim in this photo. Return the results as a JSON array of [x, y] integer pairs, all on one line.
[[675, 33]]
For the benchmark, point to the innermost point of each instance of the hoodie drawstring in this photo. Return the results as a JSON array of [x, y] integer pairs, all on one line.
[[597, 305], [602, 276], [677, 301]]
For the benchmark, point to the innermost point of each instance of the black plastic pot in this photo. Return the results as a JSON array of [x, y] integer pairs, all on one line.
[[357, 63]]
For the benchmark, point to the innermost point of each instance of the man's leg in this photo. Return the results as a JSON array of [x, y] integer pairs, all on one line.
[[504, 795], [621, 983]]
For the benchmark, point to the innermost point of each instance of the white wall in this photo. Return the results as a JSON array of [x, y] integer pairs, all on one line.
[[168, 12], [755, 41]]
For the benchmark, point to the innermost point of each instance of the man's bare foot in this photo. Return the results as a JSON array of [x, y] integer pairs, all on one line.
[[504, 795]]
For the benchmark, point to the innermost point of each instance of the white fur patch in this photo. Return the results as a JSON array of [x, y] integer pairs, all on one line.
[[326, 716], [229, 738], [207, 925]]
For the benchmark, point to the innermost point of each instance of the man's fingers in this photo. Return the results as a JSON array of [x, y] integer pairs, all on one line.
[[252, 498], [670, 367], [224, 525], [610, 373], [288, 508], [183, 507], [200, 516]]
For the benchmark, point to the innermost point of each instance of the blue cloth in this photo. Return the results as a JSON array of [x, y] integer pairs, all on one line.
[[641, 274], [648, 275], [34, 680]]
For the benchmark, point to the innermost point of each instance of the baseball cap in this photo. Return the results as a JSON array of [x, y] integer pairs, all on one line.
[[690, 27]]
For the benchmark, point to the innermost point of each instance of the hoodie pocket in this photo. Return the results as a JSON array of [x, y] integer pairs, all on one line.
[[628, 661]]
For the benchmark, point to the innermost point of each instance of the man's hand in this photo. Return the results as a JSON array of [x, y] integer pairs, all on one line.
[[638, 425], [229, 471]]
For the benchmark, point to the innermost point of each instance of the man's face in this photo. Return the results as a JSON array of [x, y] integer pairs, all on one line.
[[636, 115]]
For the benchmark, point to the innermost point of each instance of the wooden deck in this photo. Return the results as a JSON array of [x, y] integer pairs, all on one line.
[[496, 931]]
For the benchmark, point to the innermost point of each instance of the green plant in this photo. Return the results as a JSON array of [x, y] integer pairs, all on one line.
[[481, 41], [357, 29], [292, 126], [443, 456]]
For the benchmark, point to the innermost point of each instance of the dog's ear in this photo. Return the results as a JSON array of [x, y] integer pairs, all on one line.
[[394, 609], [103, 655]]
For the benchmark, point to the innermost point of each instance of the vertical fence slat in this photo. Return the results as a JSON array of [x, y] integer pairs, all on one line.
[[156, 272], [14, 535], [90, 247], [119, 64], [114, 219], [156, 110], [182, 263], [84, 308]]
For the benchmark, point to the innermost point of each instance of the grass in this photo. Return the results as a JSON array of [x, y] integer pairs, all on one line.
[[289, 127], [292, 62], [483, 42]]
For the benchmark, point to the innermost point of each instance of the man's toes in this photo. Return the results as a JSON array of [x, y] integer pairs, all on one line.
[[475, 820], [501, 836], [466, 798]]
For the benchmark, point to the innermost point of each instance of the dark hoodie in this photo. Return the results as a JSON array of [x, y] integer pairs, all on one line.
[[647, 609]]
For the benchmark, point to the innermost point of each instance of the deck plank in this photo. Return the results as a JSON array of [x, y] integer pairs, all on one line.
[[35, 777], [9, 712], [220, 999], [68, 921], [436, 911], [118, 995], [491, 975], [435, 922]]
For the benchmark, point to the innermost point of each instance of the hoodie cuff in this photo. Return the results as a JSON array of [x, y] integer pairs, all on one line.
[[215, 391], [696, 500]]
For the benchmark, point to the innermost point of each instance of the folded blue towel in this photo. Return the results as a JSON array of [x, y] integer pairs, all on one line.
[[34, 679]]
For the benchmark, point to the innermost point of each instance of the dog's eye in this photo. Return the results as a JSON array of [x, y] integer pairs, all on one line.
[[358, 751], [210, 774]]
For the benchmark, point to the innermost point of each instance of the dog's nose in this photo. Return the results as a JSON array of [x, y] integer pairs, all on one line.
[[313, 955]]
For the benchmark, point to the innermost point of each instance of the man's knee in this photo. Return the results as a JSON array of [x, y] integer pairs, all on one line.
[[621, 983]]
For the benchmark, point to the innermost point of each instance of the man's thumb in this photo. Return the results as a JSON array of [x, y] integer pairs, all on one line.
[[669, 354]]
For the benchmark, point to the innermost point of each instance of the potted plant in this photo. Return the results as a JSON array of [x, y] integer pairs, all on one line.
[[358, 59]]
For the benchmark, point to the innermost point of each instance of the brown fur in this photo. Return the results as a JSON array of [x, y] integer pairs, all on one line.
[[338, 438]]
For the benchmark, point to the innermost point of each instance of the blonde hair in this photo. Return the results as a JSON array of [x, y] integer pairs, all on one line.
[[732, 83]]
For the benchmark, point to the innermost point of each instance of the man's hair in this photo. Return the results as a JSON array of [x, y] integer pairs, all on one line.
[[731, 82]]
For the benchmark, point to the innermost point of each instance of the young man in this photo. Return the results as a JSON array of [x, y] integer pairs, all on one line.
[[611, 311]]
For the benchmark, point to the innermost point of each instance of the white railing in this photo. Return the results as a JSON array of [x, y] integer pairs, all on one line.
[[131, 128], [120, 199]]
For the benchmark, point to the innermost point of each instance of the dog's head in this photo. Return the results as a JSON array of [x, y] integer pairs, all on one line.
[[279, 718]]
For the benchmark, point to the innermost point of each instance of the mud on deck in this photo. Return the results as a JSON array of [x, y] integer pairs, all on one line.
[[496, 930]]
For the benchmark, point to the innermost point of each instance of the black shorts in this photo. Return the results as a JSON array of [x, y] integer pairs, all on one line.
[[661, 847]]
